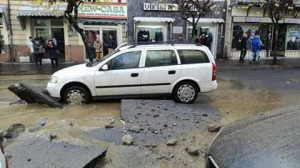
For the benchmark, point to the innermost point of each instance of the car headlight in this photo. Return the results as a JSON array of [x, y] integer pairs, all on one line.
[[53, 79]]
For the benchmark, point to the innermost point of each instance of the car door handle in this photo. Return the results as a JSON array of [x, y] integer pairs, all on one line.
[[172, 72], [134, 75]]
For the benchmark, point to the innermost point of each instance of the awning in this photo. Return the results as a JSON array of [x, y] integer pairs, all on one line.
[[101, 21], [3, 10], [154, 19], [208, 20], [53, 11]]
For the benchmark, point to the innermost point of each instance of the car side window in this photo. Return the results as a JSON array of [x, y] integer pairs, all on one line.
[[193, 56], [156, 58], [126, 60]]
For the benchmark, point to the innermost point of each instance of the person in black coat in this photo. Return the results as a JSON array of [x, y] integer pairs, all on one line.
[[243, 48], [51, 48], [112, 44]]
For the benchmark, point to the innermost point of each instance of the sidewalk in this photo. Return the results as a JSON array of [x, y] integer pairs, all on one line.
[[223, 65], [265, 64], [31, 68]]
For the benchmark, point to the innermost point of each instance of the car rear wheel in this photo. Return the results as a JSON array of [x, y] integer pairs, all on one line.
[[185, 92], [76, 95]]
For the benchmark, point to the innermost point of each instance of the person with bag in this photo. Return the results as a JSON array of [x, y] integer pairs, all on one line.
[[37, 46], [51, 48], [98, 49]]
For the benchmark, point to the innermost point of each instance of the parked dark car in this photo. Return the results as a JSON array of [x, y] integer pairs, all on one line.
[[271, 140]]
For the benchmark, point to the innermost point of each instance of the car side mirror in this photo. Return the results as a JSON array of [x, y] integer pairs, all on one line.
[[104, 67]]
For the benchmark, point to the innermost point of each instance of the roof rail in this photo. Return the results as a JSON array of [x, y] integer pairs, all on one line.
[[134, 44]]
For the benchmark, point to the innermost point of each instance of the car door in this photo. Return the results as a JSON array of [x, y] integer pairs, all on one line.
[[160, 71], [121, 76]]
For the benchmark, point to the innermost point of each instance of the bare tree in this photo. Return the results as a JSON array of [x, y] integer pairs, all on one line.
[[192, 10], [278, 10], [71, 14]]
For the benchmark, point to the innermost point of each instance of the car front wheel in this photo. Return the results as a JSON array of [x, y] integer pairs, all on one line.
[[76, 95], [185, 92]]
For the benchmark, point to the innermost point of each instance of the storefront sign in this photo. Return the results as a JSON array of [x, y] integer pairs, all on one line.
[[103, 10], [160, 7], [177, 30], [258, 20], [294, 21]]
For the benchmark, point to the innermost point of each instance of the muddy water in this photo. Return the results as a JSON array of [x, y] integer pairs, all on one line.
[[236, 102], [233, 99]]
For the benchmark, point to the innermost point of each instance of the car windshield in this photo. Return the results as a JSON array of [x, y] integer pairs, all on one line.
[[94, 63]]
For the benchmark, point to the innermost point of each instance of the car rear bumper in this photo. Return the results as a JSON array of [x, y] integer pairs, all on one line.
[[208, 86]]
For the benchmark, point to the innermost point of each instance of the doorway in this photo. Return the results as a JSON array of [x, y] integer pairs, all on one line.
[[102, 33]]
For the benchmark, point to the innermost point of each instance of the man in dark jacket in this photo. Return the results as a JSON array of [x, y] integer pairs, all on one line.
[[243, 47], [37, 46]]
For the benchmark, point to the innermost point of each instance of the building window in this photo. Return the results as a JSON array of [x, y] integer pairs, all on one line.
[[155, 32], [251, 30], [293, 37]]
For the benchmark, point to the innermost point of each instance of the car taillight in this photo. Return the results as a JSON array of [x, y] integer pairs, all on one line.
[[214, 71]]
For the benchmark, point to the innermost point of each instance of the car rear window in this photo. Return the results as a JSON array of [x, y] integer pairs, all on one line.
[[192, 56], [156, 58]]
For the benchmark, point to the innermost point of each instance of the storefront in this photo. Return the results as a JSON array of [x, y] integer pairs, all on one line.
[[43, 23], [148, 29], [157, 21], [210, 32], [253, 20], [102, 20]]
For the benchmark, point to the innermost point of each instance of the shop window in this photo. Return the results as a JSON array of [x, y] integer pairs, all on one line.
[[293, 37], [192, 56], [251, 30], [160, 58], [126, 60], [151, 33]]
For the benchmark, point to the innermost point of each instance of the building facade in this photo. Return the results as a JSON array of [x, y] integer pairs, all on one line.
[[26, 19], [252, 19], [155, 21]]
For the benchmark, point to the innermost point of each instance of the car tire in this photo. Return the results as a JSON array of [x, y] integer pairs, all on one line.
[[185, 92], [76, 95]]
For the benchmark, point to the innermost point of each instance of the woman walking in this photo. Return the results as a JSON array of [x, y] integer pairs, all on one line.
[[51, 48]]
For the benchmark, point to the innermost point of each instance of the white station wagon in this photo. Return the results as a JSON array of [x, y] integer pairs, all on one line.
[[179, 70]]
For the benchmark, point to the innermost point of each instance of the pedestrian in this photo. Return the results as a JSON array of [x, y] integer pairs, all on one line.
[[30, 46], [37, 46], [199, 40], [98, 49], [51, 48], [243, 48], [255, 47], [112, 44]]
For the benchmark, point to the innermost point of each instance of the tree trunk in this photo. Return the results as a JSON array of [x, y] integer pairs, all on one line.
[[82, 35], [275, 32], [193, 38]]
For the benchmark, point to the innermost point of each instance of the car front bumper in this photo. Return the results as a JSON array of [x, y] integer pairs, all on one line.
[[54, 90]]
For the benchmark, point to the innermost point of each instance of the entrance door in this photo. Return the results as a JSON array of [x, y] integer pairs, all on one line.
[[105, 38], [102, 33], [58, 34]]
